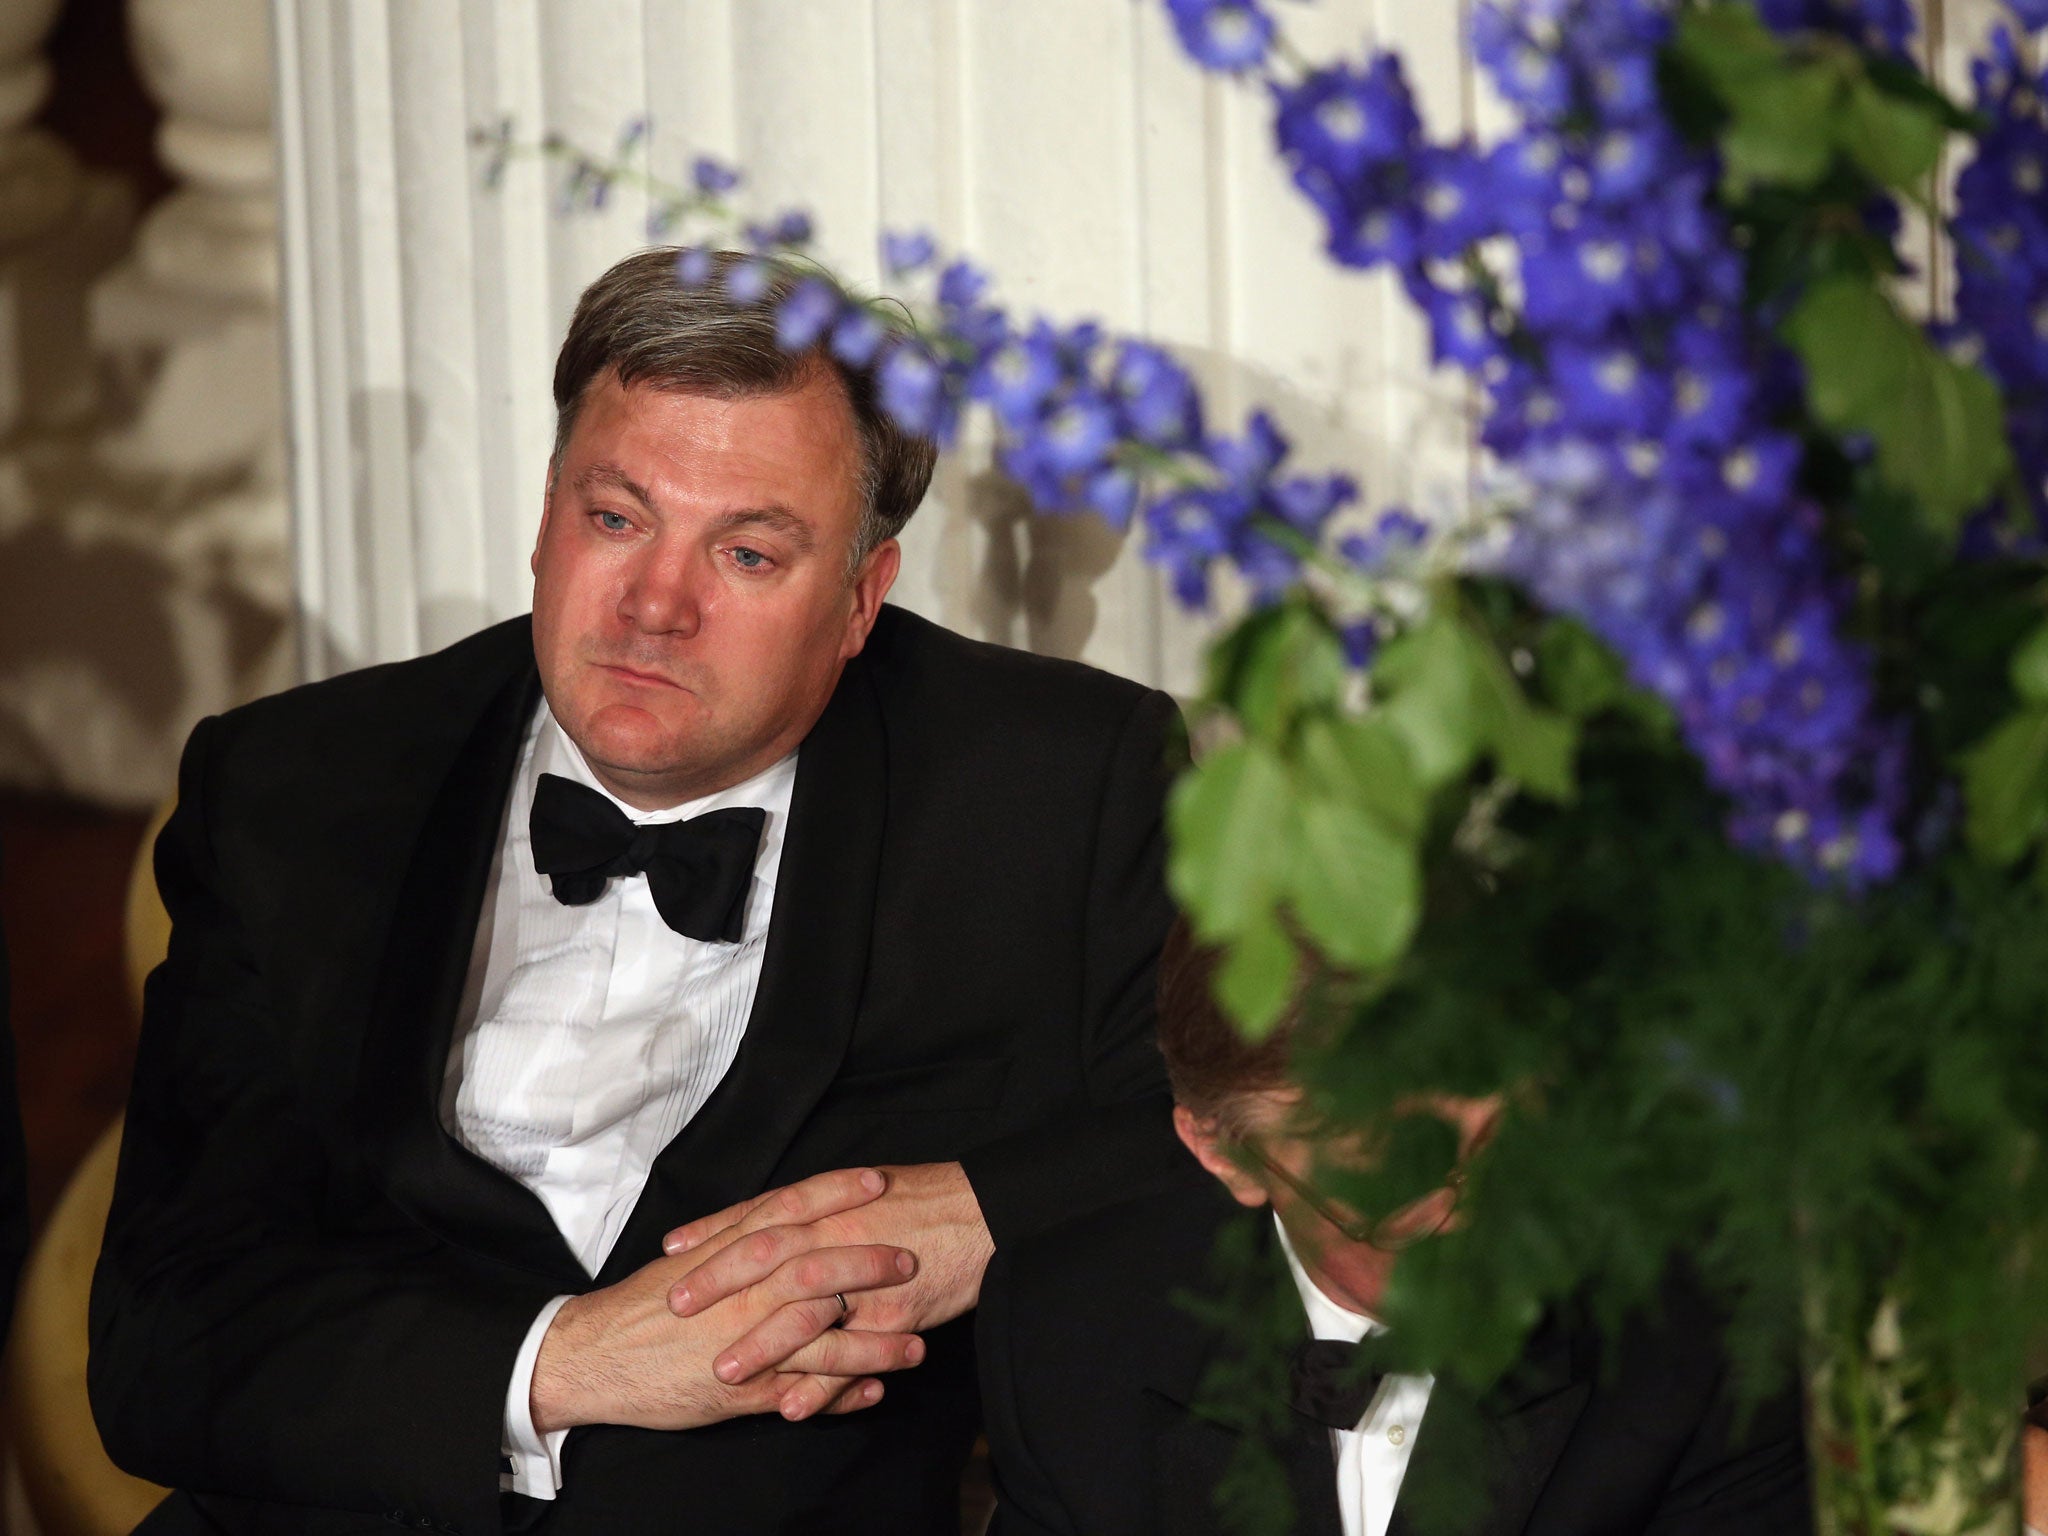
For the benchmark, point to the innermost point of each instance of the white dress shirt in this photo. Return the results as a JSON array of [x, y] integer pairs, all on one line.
[[589, 1036], [1373, 1457]]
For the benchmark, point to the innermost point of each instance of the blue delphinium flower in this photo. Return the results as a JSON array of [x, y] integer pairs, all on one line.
[[903, 254], [711, 177], [1351, 138], [912, 388], [1660, 505], [807, 314], [1883, 26], [2000, 227], [694, 266], [1229, 35]]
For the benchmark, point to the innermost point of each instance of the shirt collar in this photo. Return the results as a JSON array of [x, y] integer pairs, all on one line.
[[1327, 1319]]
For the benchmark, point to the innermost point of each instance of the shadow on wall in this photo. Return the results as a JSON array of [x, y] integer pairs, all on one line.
[[121, 623], [1008, 573]]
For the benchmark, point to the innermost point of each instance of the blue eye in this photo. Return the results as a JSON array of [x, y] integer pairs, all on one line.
[[749, 559], [614, 522]]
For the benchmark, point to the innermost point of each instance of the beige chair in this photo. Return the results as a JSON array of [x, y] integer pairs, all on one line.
[[69, 1485]]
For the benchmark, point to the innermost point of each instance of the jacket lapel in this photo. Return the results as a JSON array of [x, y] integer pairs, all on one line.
[[1193, 1452], [426, 962], [811, 974], [1524, 1424]]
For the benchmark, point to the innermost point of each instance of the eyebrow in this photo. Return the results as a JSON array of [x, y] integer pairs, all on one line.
[[774, 517], [610, 475]]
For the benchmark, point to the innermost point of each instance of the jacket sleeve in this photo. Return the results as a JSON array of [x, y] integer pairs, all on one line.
[[1743, 1471], [1121, 1144], [1027, 1503], [245, 1338]]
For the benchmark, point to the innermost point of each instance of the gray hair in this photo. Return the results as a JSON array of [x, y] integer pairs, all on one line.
[[641, 322]]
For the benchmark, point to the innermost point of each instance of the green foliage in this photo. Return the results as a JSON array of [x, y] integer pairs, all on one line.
[[1710, 1063], [2005, 786], [1302, 841], [1937, 425], [1794, 108], [1449, 694], [1810, 129], [2005, 775]]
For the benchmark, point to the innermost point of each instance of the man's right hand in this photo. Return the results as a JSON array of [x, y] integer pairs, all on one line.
[[620, 1356]]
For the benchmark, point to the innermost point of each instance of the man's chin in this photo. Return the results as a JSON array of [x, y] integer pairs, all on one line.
[[634, 742]]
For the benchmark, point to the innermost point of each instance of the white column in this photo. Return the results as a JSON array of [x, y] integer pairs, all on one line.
[[1066, 144], [45, 204]]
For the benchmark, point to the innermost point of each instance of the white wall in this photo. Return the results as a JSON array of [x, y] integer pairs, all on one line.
[[1065, 143]]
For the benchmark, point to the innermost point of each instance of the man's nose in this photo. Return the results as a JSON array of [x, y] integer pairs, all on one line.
[[665, 592]]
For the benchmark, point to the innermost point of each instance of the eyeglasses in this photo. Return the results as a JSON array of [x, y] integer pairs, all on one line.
[[1392, 1233]]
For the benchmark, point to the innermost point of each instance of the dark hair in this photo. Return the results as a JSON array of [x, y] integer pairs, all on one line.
[[1213, 1067], [643, 323]]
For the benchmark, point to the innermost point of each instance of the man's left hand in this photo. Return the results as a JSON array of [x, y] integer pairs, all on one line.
[[928, 1208]]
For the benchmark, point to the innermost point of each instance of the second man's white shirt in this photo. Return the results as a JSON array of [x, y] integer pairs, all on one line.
[[589, 1036], [1372, 1458]]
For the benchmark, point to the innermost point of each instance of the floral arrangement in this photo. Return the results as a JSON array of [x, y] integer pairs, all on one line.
[[1690, 787]]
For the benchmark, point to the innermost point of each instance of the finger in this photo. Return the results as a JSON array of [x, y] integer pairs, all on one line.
[[829, 1394], [857, 1352], [791, 1326], [764, 1394], [804, 1262], [807, 1200], [684, 1238], [738, 1262]]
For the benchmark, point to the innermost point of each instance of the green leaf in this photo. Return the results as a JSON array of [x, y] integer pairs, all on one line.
[[1783, 128], [1530, 744], [1538, 747], [1937, 426], [1276, 665], [1356, 887], [1432, 698], [1232, 830], [1728, 44], [1582, 676], [1365, 762], [2030, 667], [2005, 787], [1896, 142], [1255, 982]]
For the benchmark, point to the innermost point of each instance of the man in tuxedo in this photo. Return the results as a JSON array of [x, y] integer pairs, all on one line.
[[715, 878], [1094, 1364]]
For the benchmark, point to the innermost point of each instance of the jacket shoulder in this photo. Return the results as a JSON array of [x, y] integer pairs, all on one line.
[[374, 701], [1092, 1281], [913, 658]]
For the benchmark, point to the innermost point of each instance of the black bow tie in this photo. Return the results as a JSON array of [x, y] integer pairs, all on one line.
[[1333, 1381], [697, 870]]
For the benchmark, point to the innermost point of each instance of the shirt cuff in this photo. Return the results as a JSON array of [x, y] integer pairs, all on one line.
[[535, 1459]]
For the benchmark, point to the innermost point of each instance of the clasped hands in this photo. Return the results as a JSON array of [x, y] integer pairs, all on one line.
[[742, 1313]]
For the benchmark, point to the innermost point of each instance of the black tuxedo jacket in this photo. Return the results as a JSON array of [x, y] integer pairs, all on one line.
[[310, 1297], [1091, 1377]]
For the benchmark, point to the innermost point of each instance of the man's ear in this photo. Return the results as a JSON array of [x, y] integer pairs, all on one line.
[[871, 583], [1203, 1137]]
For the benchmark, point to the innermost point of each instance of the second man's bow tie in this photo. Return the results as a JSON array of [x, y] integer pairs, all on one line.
[[697, 871], [1333, 1382]]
